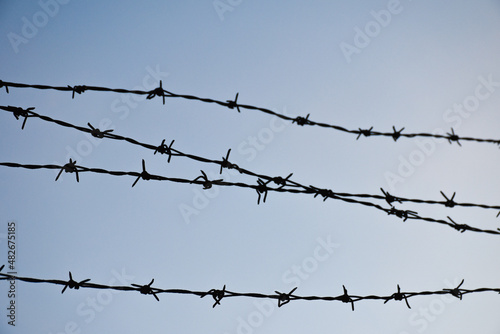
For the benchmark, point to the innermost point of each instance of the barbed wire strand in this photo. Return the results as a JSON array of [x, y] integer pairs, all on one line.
[[219, 294], [233, 104], [164, 149], [261, 188]]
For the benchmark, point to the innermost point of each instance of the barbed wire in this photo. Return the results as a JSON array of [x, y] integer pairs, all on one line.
[[282, 298], [224, 163], [233, 104], [261, 188]]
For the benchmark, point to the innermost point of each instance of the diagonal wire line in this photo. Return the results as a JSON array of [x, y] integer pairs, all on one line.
[[233, 104], [219, 294], [164, 149], [261, 189]]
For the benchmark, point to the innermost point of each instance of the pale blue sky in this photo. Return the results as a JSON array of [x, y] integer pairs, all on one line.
[[430, 56]]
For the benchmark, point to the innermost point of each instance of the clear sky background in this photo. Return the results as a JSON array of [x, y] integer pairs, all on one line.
[[414, 70]]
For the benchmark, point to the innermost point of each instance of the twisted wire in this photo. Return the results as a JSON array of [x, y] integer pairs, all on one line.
[[233, 104], [218, 294], [164, 149], [261, 188]]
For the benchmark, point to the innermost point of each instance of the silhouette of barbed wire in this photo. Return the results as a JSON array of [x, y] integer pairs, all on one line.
[[261, 188], [233, 104], [224, 163], [219, 294]]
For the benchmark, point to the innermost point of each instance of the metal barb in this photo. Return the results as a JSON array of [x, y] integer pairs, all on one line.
[[164, 149], [389, 198], [217, 295], [281, 181], [3, 84], [70, 167], [396, 134], [207, 184], [97, 133], [234, 104], [398, 296], [449, 201], [144, 174], [459, 227], [226, 164], [403, 214], [301, 120], [284, 298], [20, 112], [77, 89], [72, 284], [364, 132], [453, 137], [262, 190], [456, 291], [159, 91], [345, 298], [147, 289], [326, 193]]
